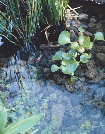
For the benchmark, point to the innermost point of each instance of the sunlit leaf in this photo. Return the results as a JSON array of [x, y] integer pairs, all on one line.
[[72, 52], [81, 29], [81, 39], [87, 55], [54, 68], [69, 69], [83, 59], [57, 55], [73, 78], [66, 56], [3, 118], [23, 125], [64, 38], [87, 44], [99, 36], [81, 49], [74, 45], [66, 62]]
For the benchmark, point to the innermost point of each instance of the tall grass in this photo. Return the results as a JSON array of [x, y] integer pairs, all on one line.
[[23, 17]]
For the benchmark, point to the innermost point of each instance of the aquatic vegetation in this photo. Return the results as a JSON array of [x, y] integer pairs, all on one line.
[[77, 54], [21, 125], [21, 19]]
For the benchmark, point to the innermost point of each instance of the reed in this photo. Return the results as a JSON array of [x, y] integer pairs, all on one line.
[[23, 17]]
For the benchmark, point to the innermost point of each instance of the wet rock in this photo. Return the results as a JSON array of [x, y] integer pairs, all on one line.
[[99, 27], [91, 25], [93, 20], [88, 33], [73, 36], [103, 98], [74, 29], [43, 62], [58, 113], [84, 25], [42, 46], [68, 23], [21, 62], [101, 48], [58, 79], [91, 73], [46, 70], [69, 86], [101, 56], [31, 60], [75, 23], [83, 17]]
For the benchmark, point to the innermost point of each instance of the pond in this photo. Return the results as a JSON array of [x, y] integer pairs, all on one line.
[[65, 112], [27, 86]]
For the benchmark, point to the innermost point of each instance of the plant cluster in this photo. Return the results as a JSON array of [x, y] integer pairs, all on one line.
[[21, 18], [77, 54]]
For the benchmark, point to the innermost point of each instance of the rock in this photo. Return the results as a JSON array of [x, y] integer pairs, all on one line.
[[88, 33], [31, 60], [73, 37], [91, 73], [83, 25], [101, 56], [100, 48], [83, 17], [42, 46], [46, 70], [99, 27], [68, 23], [75, 23], [93, 20], [43, 62], [91, 25], [69, 86], [103, 98]]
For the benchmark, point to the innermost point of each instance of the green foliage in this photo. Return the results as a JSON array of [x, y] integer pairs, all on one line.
[[64, 38], [21, 125], [78, 52], [24, 17]]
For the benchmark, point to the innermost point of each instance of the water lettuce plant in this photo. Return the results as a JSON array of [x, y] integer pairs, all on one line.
[[21, 125], [77, 54]]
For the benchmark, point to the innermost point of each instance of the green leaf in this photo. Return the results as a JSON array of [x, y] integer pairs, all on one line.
[[87, 44], [99, 36], [3, 121], [73, 53], [66, 56], [81, 49], [73, 78], [74, 45], [83, 59], [87, 55], [87, 40], [81, 39], [57, 55], [66, 62], [69, 69], [64, 38], [81, 29], [3, 118], [54, 68], [23, 125]]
